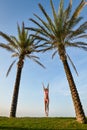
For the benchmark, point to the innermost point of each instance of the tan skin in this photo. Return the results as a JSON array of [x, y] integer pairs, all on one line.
[[46, 99]]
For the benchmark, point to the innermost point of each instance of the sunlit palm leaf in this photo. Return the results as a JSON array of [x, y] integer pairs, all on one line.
[[6, 37], [60, 10], [19, 32], [48, 18], [46, 32], [78, 9], [44, 23], [54, 13], [67, 12], [72, 23], [77, 12], [60, 18], [80, 30], [15, 41], [7, 47], [23, 31]]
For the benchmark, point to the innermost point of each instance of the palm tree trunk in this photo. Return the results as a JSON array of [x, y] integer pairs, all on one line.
[[15, 93], [80, 116]]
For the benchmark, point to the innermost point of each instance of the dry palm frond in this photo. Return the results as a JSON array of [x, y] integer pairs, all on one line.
[[72, 64], [10, 67]]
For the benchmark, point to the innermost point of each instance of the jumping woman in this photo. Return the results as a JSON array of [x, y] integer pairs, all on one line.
[[46, 99]]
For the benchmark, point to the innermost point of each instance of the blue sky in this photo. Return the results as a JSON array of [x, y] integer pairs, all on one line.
[[31, 99]]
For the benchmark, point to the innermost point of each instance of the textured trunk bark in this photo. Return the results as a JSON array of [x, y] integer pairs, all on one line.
[[80, 116], [15, 93]]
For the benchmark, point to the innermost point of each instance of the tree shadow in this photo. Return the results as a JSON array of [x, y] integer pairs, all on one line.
[[18, 128], [12, 128]]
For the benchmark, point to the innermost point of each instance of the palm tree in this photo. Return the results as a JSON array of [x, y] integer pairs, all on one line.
[[21, 48], [60, 32]]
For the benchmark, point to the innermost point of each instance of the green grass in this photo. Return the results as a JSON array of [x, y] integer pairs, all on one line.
[[40, 124]]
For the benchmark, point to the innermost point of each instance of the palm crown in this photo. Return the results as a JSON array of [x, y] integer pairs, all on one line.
[[22, 47], [61, 32]]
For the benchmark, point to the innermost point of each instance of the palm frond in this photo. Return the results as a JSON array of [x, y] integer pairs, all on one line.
[[72, 23], [61, 17], [35, 60], [47, 49], [22, 35], [39, 63], [10, 67], [54, 13], [84, 48], [82, 36], [15, 41], [43, 45], [42, 28], [83, 27], [43, 22], [15, 55], [45, 14], [76, 13], [23, 30], [38, 30], [35, 57], [54, 54], [80, 45], [36, 43], [61, 30], [47, 17], [60, 10], [79, 31], [78, 9], [6, 37], [72, 64], [19, 31], [7, 47], [68, 11], [39, 37]]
